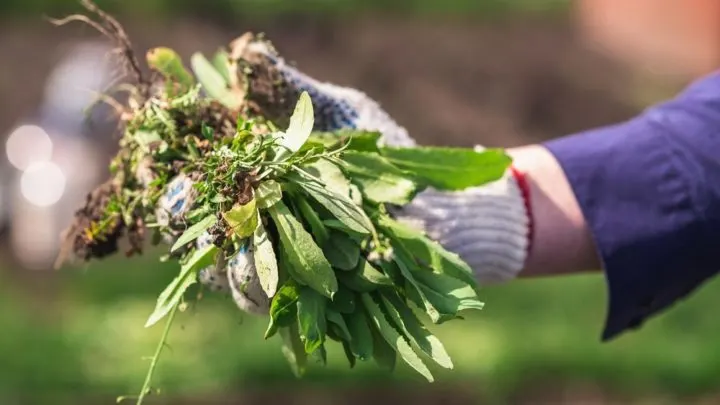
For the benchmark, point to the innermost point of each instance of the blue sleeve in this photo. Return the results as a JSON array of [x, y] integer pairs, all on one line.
[[649, 189]]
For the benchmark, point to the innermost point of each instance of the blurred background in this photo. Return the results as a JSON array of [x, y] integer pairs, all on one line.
[[455, 72]]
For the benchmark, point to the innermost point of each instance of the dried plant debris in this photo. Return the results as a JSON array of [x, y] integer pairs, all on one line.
[[221, 164]]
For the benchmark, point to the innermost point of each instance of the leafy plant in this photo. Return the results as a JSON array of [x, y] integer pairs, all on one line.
[[215, 179]]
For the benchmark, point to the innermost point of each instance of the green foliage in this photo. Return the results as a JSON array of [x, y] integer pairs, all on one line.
[[265, 260], [449, 168], [213, 82], [242, 219], [194, 232], [304, 256], [335, 265], [174, 292]]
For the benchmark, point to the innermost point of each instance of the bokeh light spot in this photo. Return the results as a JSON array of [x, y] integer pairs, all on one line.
[[28, 144], [42, 184]]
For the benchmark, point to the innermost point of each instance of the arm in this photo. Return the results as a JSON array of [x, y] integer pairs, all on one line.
[[561, 241], [640, 200], [644, 195]]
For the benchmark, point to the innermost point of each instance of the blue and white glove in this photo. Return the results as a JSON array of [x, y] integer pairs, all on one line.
[[487, 226], [237, 277]]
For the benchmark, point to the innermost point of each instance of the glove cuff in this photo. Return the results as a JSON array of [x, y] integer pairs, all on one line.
[[488, 227]]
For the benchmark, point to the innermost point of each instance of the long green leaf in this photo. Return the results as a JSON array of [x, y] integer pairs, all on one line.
[[413, 288], [213, 82], [383, 353], [450, 168], [364, 278], [194, 232], [221, 62], [404, 317], [394, 337], [342, 251], [449, 295], [283, 308], [336, 318], [317, 227], [360, 330], [293, 349], [303, 255], [341, 207], [265, 260], [332, 177], [187, 277], [426, 251], [378, 179], [343, 301], [311, 318], [349, 354], [301, 124]]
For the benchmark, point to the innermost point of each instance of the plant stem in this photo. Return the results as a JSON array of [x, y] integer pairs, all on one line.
[[153, 362]]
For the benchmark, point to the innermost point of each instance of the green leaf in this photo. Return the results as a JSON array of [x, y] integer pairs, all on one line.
[[283, 307], [168, 63], [361, 331], [343, 208], [342, 252], [187, 277], [401, 314], [213, 82], [303, 255], [350, 139], [221, 63], [334, 224], [426, 251], [311, 217], [301, 124], [415, 291], [383, 353], [145, 139], [449, 295], [242, 219], [324, 140], [320, 355], [207, 132], [336, 318], [450, 168], [194, 232], [332, 177], [268, 193], [379, 180], [293, 349], [343, 301], [311, 318], [394, 338], [265, 260], [364, 141], [365, 278], [349, 354]]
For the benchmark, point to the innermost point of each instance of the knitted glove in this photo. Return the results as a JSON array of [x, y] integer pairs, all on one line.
[[487, 226]]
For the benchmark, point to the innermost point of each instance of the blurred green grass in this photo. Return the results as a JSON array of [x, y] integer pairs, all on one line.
[[94, 342]]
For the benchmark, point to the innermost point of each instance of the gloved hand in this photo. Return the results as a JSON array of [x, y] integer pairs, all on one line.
[[487, 226]]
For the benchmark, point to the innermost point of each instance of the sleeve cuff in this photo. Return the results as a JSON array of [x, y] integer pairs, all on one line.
[[636, 200]]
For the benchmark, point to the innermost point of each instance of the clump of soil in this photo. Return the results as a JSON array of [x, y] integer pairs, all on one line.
[[94, 233], [81, 244]]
